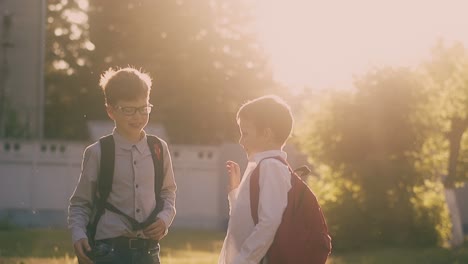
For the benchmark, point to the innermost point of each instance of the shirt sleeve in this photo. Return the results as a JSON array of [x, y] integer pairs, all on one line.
[[232, 198], [81, 201], [168, 189], [275, 183]]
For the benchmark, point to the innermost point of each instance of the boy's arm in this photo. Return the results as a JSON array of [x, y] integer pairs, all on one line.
[[168, 189], [81, 201], [275, 182], [233, 170]]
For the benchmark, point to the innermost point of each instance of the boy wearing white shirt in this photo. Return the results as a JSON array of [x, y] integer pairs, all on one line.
[[265, 125]]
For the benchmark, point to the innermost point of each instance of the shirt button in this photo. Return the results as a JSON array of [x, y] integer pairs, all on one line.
[[136, 186], [134, 162], [137, 210]]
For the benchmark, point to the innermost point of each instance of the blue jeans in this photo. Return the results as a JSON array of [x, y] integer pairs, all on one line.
[[106, 253]]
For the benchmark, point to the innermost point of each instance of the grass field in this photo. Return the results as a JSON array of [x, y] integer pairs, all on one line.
[[197, 247]]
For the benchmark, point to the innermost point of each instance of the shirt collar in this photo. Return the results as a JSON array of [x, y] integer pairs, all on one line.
[[123, 143], [267, 154]]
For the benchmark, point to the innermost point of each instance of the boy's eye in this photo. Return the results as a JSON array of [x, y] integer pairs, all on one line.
[[130, 110]]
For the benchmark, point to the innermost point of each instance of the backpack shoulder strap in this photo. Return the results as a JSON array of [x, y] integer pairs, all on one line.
[[255, 187], [156, 148], [106, 171], [104, 182]]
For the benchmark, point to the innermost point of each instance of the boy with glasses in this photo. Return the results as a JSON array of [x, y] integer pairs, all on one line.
[[131, 209]]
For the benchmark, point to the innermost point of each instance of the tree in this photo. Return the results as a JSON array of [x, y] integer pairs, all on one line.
[[67, 61], [446, 76], [367, 146], [204, 60], [447, 80]]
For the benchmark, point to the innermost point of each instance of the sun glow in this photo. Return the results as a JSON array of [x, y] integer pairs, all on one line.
[[321, 44]]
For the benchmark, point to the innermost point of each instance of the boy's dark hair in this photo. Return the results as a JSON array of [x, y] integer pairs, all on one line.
[[124, 84], [269, 111]]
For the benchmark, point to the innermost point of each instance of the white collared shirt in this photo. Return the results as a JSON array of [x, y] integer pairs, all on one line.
[[245, 242]]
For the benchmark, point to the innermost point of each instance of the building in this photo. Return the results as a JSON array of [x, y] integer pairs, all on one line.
[[22, 38]]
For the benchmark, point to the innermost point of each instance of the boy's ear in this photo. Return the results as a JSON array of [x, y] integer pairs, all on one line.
[[110, 111]]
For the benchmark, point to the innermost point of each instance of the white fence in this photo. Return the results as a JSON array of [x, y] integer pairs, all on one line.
[[37, 179]]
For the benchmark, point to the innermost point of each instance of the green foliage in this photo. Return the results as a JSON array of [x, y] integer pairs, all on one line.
[[202, 55], [15, 127], [446, 80], [369, 146], [67, 67]]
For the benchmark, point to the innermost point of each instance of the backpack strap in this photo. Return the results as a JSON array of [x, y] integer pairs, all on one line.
[[104, 182], [156, 148], [255, 186], [106, 175]]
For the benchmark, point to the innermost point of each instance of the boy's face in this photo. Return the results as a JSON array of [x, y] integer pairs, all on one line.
[[130, 116], [251, 139]]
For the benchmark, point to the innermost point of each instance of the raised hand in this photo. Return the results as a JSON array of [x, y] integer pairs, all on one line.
[[233, 174]]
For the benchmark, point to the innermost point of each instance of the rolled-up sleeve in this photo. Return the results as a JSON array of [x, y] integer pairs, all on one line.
[[81, 201], [232, 198]]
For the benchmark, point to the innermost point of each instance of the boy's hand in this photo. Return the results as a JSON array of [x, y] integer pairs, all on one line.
[[81, 247], [234, 175], [156, 230]]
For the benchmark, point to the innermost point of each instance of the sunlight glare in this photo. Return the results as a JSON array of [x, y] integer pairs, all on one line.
[[321, 44]]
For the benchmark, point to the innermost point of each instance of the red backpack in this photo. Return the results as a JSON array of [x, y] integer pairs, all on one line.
[[302, 236]]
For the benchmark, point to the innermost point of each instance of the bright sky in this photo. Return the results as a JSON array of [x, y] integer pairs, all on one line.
[[321, 43]]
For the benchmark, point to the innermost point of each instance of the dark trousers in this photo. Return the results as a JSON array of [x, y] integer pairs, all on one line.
[[126, 251]]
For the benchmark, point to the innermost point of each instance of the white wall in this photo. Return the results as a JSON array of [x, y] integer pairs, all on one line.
[[37, 176], [41, 176], [198, 182]]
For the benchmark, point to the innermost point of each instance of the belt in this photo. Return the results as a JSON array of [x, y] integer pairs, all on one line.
[[131, 243]]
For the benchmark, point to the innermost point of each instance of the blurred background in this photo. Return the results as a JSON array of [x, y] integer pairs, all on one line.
[[379, 90]]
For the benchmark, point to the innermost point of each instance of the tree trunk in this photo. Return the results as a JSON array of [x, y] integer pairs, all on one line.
[[458, 127]]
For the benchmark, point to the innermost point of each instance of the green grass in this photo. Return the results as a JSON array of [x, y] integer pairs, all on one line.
[[404, 256], [35, 243], [39, 246], [198, 247]]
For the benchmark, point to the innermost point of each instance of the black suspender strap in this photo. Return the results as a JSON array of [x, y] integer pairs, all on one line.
[[134, 223]]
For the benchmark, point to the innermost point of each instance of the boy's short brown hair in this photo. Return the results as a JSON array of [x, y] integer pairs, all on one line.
[[269, 111], [124, 84]]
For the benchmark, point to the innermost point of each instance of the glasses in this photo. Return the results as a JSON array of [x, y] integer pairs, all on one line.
[[130, 110]]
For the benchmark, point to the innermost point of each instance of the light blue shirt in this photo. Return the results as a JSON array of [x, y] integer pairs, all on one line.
[[132, 190]]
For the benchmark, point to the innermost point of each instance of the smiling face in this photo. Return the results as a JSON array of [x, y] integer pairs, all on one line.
[[252, 139], [129, 126]]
